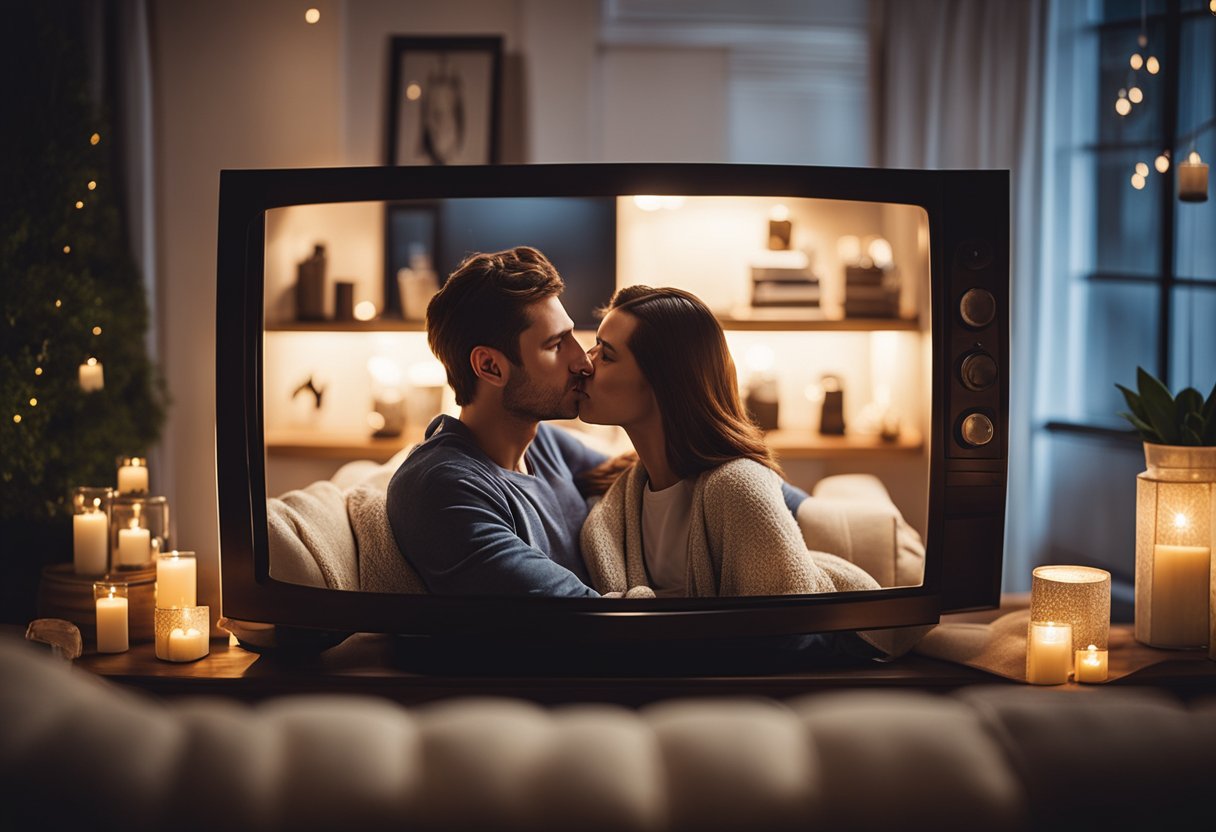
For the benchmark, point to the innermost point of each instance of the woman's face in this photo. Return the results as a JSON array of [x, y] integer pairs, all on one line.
[[616, 393]]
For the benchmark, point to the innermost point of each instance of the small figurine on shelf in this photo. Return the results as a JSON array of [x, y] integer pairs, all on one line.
[[831, 420]]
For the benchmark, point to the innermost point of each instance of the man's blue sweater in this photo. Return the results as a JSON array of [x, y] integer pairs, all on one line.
[[470, 527]]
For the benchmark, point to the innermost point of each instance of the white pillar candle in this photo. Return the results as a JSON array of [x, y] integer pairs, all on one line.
[[1091, 665], [187, 645], [91, 376], [90, 541], [111, 624], [1193, 179], [175, 581], [1180, 595], [1048, 653], [133, 477], [134, 546]]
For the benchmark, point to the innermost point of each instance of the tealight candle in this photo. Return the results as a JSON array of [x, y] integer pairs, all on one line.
[[91, 376], [187, 645], [90, 540], [175, 580], [1048, 653], [111, 603], [132, 475], [1091, 665]]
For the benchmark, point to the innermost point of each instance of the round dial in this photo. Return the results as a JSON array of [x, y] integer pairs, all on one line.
[[977, 430], [977, 308], [978, 371]]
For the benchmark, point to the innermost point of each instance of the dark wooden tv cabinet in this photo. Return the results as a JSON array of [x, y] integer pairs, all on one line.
[[375, 665]]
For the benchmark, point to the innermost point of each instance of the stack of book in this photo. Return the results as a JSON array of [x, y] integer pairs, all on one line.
[[784, 287], [870, 293]]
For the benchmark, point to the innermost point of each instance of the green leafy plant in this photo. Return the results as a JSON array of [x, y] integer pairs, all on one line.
[[1185, 419]]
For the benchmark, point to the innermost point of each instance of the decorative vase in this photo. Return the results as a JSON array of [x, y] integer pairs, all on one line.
[[1175, 528]]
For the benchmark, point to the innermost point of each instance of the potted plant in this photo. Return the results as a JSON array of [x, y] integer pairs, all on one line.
[[1175, 513]]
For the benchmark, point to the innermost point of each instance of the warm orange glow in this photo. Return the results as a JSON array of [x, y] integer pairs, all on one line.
[[92, 185], [17, 418], [79, 204], [1162, 163], [67, 249], [365, 310], [1135, 95], [37, 371], [96, 330], [33, 402], [1137, 60], [312, 16], [1142, 168], [413, 92], [95, 138], [1123, 106], [1152, 65], [1138, 182]]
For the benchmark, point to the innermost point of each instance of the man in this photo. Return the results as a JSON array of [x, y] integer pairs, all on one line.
[[487, 503]]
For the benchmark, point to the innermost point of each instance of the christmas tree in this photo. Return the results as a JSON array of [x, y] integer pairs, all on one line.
[[70, 292]]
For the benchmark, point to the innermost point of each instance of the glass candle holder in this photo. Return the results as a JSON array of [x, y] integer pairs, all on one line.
[[91, 529], [132, 475], [182, 634], [1074, 595], [1175, 523], [139, 530], [110, 600], [1048, 653]]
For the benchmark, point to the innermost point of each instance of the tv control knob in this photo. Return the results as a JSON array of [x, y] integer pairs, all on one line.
[[977, 308], [978, 371], [977, 430]]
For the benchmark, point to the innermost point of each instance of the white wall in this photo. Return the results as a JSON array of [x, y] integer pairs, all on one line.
[[239, 84]]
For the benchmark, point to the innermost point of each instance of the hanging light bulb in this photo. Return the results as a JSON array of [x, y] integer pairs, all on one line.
[[1137, 60], [1152, 65], [1138, 182], [1141, 169], [1163, 160], [1135, 95]]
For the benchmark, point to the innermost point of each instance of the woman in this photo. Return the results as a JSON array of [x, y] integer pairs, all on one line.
[[701, 513]]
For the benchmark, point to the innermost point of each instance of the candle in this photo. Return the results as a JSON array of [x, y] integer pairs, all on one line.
[[1193, 179], [175, 580], [1091, 665], [1180, 595], [1048, 653], [132, 476], [111, 623], [187, 645], [134, 545], [91, 376], [90, 541]]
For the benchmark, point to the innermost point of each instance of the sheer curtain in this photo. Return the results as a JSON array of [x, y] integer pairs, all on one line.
[[961, 84]]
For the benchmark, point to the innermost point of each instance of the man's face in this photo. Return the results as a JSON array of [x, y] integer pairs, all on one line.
[[547, 383]]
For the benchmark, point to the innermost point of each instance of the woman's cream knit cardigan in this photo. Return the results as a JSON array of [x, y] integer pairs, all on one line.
[[742, 539]]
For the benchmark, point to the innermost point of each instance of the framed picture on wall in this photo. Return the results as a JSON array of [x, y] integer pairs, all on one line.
[[443, 103]]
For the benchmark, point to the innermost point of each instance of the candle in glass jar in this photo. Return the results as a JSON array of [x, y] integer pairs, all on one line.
[[111, 623], [90, 541], [1048, 653], [187, 645], [1193, 179], [132, 476], [91, 376], [134, 545], [1091, 665], [175, 581], [1180, 595]]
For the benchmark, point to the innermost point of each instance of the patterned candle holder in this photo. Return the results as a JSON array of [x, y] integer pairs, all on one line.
[[1074, 595], [183, 633], [91, 530], [139, 531]]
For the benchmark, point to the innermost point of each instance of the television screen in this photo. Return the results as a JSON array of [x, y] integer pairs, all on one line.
[[864, 312]]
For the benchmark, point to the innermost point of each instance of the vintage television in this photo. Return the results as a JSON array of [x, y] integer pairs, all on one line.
[[950, 228]]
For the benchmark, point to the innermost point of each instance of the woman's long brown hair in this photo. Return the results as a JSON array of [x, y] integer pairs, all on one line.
[[682, 352]]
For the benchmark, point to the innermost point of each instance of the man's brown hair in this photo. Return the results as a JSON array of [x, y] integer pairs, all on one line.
[[484, 303]]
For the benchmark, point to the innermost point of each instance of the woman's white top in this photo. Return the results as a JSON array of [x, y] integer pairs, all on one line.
[[666, 516]]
